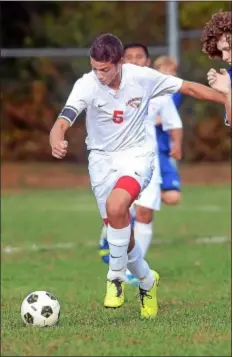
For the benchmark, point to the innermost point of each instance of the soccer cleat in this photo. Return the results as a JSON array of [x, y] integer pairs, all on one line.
[[149, 304], [115, 294]]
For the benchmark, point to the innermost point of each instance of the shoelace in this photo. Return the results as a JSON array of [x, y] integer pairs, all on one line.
[[142, 294], [118, 286]]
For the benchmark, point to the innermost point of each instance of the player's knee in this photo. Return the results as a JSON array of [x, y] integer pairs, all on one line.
[[117, 209], [144, 215], [171, 197]]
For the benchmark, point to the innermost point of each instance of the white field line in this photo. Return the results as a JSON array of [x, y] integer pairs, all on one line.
[[71, 245]]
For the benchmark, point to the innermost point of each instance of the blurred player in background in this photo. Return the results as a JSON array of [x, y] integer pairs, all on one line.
[[163, 113], [217, 43], [116, 98], [166, 142]]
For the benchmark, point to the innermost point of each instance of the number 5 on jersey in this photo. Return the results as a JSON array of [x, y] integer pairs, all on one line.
[[118, 116]]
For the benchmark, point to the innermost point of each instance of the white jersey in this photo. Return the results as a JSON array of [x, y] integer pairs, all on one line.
[[166, 109], [116, 119]]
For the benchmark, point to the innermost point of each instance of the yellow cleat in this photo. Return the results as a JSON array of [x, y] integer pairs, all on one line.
[[149, 304], [115, 294]]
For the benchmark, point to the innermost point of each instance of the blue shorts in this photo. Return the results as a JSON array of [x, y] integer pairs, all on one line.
[[169, 173]]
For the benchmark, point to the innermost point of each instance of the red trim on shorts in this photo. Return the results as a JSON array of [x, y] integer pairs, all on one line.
[[130, 185], [105, 221]]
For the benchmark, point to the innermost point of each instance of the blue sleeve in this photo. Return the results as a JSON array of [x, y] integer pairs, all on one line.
[[230, 73], [177, 99], [225, 117]]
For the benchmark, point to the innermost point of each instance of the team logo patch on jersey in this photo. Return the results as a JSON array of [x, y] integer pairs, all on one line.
[[135, 102]]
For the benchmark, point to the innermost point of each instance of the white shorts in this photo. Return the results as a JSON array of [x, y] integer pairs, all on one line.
[[151, 196], [105, 169]]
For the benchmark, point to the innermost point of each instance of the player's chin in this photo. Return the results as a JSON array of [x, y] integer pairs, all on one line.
[[103, 82]]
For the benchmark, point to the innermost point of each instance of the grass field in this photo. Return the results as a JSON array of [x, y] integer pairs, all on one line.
[[193, 257]]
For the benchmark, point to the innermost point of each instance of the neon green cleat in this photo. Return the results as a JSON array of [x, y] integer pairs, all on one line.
[[149, 304], [115, 294]]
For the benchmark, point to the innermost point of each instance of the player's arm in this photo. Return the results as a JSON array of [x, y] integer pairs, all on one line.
[[160, 84], [176, 147], [202, 92], [222, 83], [78, 101], [176, 134], [171, 122], [57, 135]]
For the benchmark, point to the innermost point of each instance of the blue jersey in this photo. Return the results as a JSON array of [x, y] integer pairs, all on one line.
[[163, 137], [230, 74]]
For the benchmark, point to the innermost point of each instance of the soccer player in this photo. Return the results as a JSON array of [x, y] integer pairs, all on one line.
[[216, 40], [169, 141], [142, 212], [116, 97]]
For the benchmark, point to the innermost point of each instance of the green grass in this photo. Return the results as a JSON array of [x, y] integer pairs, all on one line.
[[194, 294]]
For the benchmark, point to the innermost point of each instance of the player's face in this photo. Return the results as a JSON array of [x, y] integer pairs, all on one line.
[[224, 46], [136, 55], [169, 70], [106, 72]]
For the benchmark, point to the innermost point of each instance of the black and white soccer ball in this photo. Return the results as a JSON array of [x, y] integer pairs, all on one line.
[[40, 308]]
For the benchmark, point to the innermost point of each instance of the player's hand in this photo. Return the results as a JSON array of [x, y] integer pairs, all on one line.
[[59, 150], [176, 151], [219, 81], [158, 120]]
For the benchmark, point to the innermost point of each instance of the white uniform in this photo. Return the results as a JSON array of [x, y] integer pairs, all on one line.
[[165, 108], [116, 125]]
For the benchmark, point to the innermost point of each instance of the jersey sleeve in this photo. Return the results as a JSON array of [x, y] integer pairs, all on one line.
[[158, 84], [169, 116], [165, 108], [79, 99]]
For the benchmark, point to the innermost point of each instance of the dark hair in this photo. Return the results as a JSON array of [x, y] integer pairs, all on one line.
[[107, 48], [137, 44], [219, 24]]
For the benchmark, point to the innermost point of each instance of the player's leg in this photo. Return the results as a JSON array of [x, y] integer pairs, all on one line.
[[134, 175], [148, 279], [171, 184], [171, 197], [148, 202], [104, 250], [141, 220], [142, 214], [102, 182], [143, 228], [124, 250], [119, 233], [118, 204], [120, 256]]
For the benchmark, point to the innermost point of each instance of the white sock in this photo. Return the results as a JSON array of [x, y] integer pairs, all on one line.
[[118, 240], [139, 267], [143, 235]]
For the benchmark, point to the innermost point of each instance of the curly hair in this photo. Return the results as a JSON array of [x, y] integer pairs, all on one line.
[[219, 24]]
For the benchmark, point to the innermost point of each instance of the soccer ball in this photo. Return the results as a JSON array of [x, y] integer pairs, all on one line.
[[40, 308]]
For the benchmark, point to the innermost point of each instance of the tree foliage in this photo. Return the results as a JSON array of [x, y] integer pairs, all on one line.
[[35, 89]]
